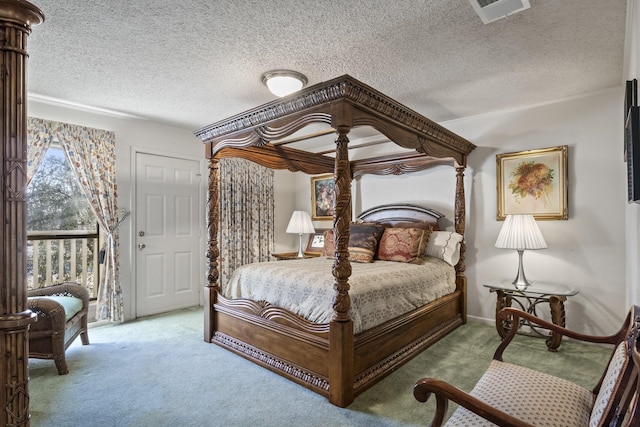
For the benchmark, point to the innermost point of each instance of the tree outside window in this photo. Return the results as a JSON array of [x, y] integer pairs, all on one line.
[[59, 219]]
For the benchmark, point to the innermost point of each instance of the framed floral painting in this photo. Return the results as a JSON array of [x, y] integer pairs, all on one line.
[[322, 195], [533, 182]]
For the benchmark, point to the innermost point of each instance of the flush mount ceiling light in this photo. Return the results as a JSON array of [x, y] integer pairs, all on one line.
[[283, 82]]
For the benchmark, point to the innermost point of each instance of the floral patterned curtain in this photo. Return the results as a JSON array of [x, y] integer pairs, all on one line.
[[246, 215], [38, 141], [91, 153]]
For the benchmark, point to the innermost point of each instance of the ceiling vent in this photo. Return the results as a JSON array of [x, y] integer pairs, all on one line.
[[492, 10]]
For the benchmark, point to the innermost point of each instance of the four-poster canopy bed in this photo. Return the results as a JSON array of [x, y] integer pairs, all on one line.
[[332, 358]]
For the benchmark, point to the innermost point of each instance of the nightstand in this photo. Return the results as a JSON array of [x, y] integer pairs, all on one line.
[[292, 255], [528, 299]]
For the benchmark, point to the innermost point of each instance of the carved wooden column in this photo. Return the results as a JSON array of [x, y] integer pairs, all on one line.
[[460, 223], [213, 252], [341, 369], [16, 19], [341, 224]]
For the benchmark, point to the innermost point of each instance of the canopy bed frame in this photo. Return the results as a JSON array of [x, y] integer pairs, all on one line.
[[329, 358]]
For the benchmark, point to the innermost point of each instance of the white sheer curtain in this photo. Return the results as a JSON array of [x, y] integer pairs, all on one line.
[[91, 153], [246, 232]]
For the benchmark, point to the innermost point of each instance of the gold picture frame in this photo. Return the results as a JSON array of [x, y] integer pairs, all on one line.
[[533, 182], [322, 197]]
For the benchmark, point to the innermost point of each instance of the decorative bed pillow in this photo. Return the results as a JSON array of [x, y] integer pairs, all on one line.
[[363, 242], [445, 245], [422, 225], [329, 245], [403, 244]]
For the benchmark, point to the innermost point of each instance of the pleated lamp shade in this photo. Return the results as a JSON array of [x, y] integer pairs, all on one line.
[[520, 232], [300, 223]]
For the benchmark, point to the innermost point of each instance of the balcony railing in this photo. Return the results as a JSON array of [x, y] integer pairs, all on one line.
[[63, 256]]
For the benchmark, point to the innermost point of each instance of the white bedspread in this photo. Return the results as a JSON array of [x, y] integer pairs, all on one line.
[[379, 291]]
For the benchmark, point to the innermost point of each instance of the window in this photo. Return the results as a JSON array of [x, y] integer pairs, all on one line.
[[62, 229]]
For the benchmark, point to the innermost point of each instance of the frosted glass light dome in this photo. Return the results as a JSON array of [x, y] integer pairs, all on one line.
[[284, 82]]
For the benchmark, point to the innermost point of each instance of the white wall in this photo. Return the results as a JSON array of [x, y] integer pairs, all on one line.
[[587, 251], [131, 135]]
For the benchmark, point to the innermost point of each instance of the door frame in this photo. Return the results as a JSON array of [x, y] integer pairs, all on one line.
[[135, 150]]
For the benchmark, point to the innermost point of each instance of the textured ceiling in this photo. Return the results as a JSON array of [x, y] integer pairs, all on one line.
[[193, 62]]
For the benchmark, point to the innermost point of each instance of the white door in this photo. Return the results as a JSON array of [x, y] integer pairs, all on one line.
[[168, 253]]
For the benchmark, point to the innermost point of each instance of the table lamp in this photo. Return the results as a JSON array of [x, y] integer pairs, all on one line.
[[520, 232], [300, 223]]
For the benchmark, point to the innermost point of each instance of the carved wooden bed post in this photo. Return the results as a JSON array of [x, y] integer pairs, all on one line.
[[16, 19], [341, 328], [213, 252], [460, 223]]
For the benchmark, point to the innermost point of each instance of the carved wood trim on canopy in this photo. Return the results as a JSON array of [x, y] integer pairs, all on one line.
[[343, 101]]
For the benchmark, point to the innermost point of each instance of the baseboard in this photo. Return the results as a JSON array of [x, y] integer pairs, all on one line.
[[91, 315], [492, 322], [482, 320]]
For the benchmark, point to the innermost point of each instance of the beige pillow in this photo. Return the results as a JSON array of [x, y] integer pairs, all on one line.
[[445, 245]]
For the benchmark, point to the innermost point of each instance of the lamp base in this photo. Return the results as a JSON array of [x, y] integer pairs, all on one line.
[[521, 281], [300, 251]]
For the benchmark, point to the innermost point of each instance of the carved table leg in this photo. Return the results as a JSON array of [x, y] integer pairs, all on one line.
[[556, 303], [503, 300]]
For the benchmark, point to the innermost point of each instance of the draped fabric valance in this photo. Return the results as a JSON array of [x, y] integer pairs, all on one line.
[[91, 153]]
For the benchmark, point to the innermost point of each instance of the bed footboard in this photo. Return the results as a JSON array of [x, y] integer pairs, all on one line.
[[327, 358], [275, 339]]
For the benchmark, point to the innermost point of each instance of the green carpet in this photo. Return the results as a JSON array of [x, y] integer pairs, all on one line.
[[157, 371]]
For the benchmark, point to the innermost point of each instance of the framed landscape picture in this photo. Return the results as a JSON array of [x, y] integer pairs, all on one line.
[[322, 196], [533, 182]]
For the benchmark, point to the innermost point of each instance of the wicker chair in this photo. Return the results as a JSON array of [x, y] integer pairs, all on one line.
[[62, 316], [511, 395]]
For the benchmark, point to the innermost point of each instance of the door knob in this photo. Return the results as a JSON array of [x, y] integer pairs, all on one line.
[[141, 246]]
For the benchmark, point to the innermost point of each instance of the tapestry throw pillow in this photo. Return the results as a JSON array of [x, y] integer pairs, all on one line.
[[363, 242], [421, 224], [445, 245], [403, 244], [329, 245]]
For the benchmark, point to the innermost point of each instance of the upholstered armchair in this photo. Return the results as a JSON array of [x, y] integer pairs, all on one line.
[[517, 396], [62, 316]]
